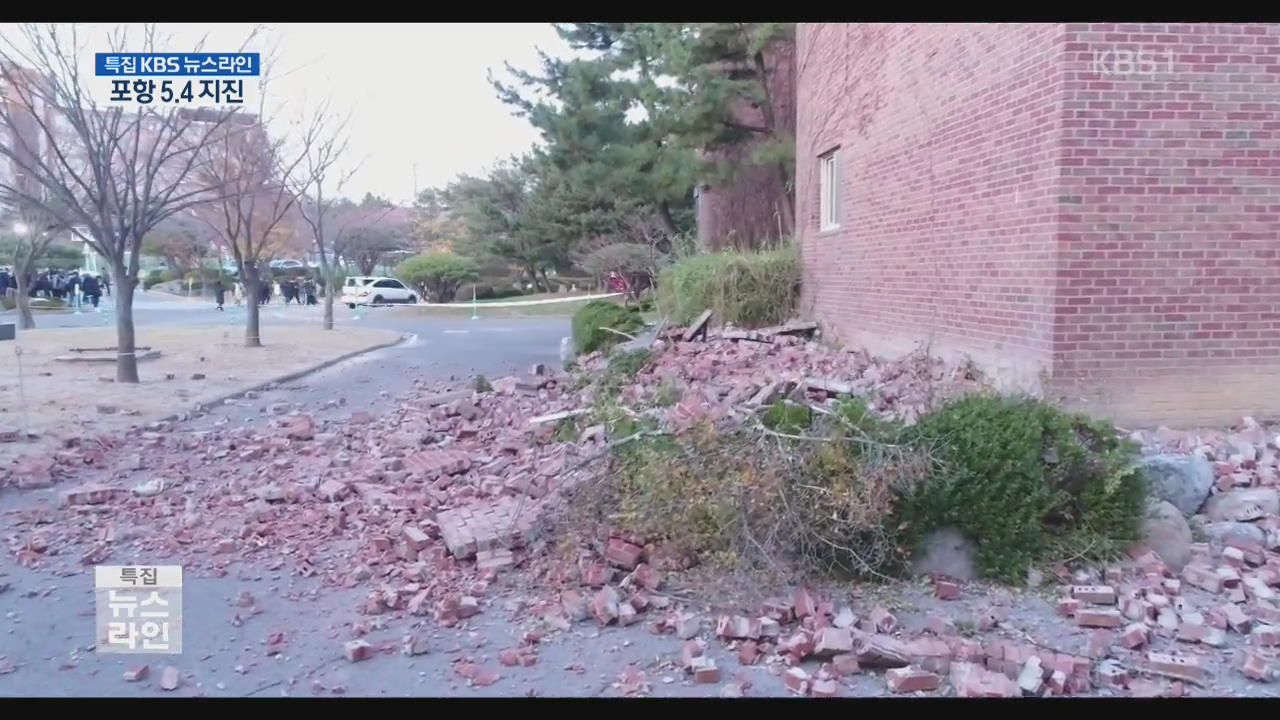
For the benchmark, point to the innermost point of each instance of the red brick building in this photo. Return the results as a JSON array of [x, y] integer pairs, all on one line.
[[1088, 211]]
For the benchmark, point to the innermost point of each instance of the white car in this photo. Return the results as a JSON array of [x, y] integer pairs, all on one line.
[[287, 265], [363, 290]]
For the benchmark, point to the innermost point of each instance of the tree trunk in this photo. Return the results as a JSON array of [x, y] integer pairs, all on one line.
[[26, 320], [126, 360], [330, 289], [252, 326], [668, 222], [546, 282]]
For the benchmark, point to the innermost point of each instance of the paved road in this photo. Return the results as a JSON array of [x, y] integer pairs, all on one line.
[[445, 347]]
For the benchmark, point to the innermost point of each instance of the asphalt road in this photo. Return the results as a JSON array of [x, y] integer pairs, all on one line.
[[444, 347]]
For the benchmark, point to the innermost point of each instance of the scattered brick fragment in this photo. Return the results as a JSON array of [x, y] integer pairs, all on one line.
[[170, 678], [911, 679]]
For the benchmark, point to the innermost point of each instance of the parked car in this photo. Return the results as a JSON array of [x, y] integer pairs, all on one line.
[[287, 265], [365, 290]]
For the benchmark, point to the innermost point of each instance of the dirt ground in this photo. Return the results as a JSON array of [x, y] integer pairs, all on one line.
[[64, 398]]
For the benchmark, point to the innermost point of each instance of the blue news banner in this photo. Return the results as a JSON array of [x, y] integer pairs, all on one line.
[[218, 77]]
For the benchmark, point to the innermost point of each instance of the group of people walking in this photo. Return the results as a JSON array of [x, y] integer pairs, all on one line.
[[69, 287], [301, 291]]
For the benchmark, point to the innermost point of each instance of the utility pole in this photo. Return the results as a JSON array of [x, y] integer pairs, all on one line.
[[415, 182]]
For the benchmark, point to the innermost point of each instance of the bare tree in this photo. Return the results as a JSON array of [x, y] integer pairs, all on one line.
[[250, 216], [323, 143], [32, 232], [110, 174]]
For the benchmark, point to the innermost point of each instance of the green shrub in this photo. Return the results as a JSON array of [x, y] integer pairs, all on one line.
[[482, 384], [1027, 483], [438, 274], [589, 322], [748, 289], [153, 278]]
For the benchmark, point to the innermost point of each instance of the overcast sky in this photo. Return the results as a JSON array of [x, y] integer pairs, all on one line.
[[417, 92]]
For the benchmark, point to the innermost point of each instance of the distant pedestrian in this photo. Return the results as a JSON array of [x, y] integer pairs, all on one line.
[[237, 290], [106, 283], [219, 293], [59, 284], [309, 289], [264, 292], [92, 288], [73, 289]]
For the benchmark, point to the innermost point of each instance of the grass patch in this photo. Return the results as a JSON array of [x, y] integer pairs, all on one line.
[[785, 417], [748, 289]]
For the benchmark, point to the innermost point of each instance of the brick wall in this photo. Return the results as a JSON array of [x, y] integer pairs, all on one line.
[[1109, 229], [1168, 276], [947, 154]]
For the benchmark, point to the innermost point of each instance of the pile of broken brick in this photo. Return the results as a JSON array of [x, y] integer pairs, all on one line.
[[428, 503]]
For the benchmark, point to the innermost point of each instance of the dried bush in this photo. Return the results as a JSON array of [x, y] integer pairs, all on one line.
[[748, 289]]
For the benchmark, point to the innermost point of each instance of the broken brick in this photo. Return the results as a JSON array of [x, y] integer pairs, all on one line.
[[604, 605], [911, 679], [846, 664], [1236, 619], [805, 604], [1255, 667], [748, 653], [136, 674], [1090, 617], [1202, 577], [1201, 634], [357, 650], [690, 651], [796, 681], [1096, 594], [1134, 636], [825, 689], [832, 641], [733, 627], [946, 590], [1067, 607], [1265, 635], [623, 554], [1176, 667], [705, 671]]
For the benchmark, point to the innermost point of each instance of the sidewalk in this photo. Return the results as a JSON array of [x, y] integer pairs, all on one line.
[[205, 364]]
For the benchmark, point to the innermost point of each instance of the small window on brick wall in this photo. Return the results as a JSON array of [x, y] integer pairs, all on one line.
[[829, 190]]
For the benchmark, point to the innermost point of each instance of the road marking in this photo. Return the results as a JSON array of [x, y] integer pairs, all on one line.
[[456, 332], [497, 329]]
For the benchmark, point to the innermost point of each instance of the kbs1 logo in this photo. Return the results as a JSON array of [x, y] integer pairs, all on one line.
[[198, 79], [1129, 63]]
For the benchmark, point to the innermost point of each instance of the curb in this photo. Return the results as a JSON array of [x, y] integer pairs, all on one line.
[[203, 406]]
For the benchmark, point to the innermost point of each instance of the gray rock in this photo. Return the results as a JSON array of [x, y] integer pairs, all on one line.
[[1167, 533], [1183, 480], [1243, 505], [1217, 533], [946, 552]]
